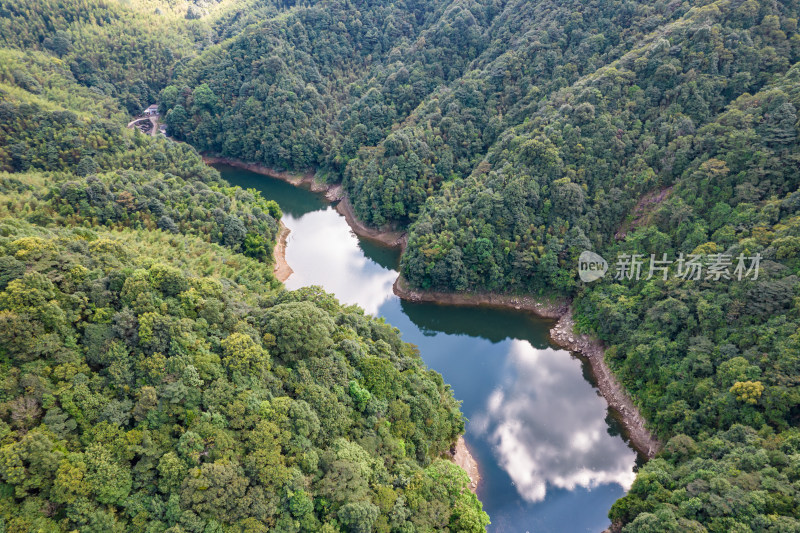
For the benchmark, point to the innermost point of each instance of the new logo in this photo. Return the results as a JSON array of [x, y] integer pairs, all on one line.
[[591, 266]]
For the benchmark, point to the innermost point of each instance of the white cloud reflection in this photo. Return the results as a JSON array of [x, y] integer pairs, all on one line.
[[321, 241], [547, 427]]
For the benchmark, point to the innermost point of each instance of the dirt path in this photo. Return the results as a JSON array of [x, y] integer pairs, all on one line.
[[153, 121], [282, 269]]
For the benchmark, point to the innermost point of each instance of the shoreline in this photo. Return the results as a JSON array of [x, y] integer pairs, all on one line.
[[293, 178], [282, 269], [552, 310], [462, 457], [633, 423], [393, 238], [562, 334], [333, 193]]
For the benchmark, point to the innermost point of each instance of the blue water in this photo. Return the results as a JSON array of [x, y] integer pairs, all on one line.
[[550, 456]]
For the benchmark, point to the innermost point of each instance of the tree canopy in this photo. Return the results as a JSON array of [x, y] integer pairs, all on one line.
[[157, 377], [505, 137]]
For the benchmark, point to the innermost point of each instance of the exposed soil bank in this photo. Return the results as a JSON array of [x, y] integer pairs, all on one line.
[[293, 178], [282, 269], [333, 193], [383, 236], [461, 456], [562, 334], [554, 309]]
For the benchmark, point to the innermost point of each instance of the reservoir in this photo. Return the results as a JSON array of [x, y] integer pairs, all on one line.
[[550, 455]]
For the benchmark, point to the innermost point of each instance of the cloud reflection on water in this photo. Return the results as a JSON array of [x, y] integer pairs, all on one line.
[[543, 426], [548, 428], [329, 252]]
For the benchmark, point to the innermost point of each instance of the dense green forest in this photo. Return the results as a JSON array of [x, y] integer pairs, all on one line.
[[155, 375], [506, 137], [553, 128]]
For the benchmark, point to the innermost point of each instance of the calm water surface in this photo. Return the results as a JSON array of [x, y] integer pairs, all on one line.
[[550, 456]]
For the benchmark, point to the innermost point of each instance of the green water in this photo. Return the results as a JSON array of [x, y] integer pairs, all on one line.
[[550, 456]]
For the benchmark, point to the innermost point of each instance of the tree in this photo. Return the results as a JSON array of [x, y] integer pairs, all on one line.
[[177, 121], [108, 480], [204, 97], [301, 330], [240, 353], [358, 517], [87, 166], [233, 231], [747, 391], [215, 490], [360, 395], [255, 246], [172, 471], [169, 98]]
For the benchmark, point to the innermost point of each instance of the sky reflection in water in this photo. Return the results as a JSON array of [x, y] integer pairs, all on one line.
[[547, 426], [332, 258], [545, 423], [549, 454]]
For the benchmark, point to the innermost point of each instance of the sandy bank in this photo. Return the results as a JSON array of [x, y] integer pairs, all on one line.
[[461, 456], [563, 335], [282, 269]]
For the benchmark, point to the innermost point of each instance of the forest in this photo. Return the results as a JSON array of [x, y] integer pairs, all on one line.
[[505, 137], [155, 375]]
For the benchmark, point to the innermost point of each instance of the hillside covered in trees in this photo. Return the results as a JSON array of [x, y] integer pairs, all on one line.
[[506, 137], [155, 375], [553, 128]]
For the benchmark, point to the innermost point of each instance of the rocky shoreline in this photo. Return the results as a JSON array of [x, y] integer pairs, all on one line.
[[553, 309], [334, 193], [562, 334], [461, 456]]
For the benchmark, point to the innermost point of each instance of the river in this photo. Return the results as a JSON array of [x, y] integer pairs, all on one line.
[[550, 455]]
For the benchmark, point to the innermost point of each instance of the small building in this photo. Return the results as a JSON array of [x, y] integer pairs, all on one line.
[[151, 111]]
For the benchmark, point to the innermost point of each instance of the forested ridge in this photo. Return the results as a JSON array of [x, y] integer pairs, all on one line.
[[155, 375], [506, 137], [651, 128]]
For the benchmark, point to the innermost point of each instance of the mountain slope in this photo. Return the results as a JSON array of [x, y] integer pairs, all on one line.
[[507, 138], [156, 376]]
